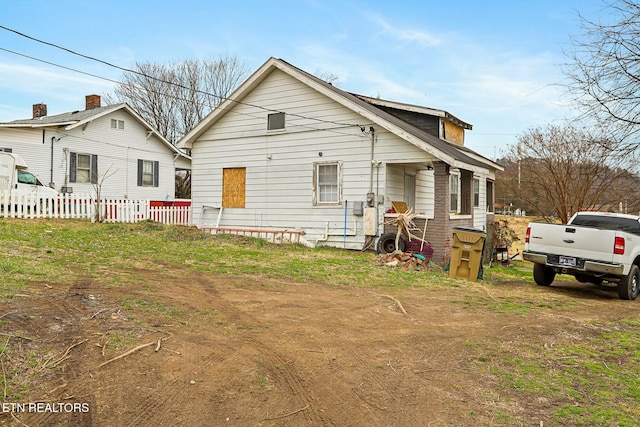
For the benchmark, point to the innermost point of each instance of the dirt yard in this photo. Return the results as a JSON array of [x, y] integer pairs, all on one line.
[[220, 351]]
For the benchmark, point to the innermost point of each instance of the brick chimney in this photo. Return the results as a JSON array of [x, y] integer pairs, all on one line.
[[39, 110], [92, 101]]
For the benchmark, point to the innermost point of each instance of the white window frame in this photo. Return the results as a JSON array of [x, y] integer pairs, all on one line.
[[276, 119], [150, 177], [87, 169], [318, 175], [117, 124], [454, 184], [476, 192], [148, 174]]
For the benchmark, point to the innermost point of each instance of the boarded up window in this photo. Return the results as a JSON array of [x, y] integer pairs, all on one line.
[[234, 181]]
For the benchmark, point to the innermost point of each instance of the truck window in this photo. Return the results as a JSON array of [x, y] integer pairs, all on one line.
[[608, 223], [27, 178]]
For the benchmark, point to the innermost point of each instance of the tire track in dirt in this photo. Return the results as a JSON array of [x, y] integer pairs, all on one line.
[[202, 293], [64, 316], [287, 374], [273, 360], [153, 410]]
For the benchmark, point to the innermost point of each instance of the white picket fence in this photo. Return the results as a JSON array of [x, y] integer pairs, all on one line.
[[27, 205]]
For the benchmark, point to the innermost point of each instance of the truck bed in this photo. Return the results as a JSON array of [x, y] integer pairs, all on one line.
[[571, 241]]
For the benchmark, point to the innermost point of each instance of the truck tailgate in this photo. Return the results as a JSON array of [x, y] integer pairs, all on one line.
[[572, 241]]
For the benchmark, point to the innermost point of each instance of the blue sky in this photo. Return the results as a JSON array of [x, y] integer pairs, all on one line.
[[494, 64]]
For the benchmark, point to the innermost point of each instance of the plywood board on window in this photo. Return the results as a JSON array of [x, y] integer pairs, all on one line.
[[453, 133], [234, 184]]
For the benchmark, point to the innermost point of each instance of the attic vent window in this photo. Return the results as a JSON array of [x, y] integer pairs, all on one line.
[[275, 121], [117, 124]]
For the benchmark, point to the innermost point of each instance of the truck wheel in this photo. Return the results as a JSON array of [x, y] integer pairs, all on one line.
[[629, 286], [387, 244], [543, 275]]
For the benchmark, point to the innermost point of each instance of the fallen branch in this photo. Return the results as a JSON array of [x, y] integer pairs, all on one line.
[[16, 418], [133, 350], [286, 415], [4, 374], [64, 356], [98, 312], [396, 301], [57, 388], [16, 336]]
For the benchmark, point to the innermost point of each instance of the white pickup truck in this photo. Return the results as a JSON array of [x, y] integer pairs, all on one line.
[[592, 246]]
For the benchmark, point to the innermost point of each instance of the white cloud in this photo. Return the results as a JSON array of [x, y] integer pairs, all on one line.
[[62, 90], [409, 35]]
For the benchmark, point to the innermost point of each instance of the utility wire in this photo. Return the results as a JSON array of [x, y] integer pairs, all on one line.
[[128, 70], [58, 65]]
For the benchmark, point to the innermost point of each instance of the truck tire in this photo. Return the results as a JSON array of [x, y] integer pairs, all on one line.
[[387, 244], [629, 286], [543, 275]]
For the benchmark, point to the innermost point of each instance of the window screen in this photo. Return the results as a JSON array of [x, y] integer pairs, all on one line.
[[275, 121]]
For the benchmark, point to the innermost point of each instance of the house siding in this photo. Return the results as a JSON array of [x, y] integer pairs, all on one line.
[[322, 125], [118, 152], [279, 164]]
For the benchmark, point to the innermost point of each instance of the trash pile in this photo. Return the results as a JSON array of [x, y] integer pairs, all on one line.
[[407, 261]]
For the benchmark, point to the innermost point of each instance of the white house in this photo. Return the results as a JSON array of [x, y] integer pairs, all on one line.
[[108, 147], [290, 151]]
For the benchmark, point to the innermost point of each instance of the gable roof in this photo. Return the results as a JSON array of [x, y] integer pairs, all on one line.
[[74, 119], [452, 154]]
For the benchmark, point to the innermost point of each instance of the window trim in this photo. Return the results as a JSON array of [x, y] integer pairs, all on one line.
[[476, 192], [93, 168], [316, 183], [117, 124], [155, 167], [274, 119], [454, 202]]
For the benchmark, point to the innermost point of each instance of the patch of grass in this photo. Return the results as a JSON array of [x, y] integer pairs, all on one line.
[[594, 381], [154, 307], [589, 382]]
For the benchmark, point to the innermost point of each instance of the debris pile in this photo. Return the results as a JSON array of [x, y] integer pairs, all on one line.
[[407, 261]]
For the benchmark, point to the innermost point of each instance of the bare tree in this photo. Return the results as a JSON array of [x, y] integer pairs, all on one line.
[[175, 97], [604, 70], [559, 170], [329, 77]]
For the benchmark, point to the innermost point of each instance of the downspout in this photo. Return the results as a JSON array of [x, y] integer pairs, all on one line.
[[372, 133], [376, 199], [51, 184], [345, 224]]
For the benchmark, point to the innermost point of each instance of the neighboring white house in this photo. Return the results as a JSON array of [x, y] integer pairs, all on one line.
[[111, 147], [290, 151]]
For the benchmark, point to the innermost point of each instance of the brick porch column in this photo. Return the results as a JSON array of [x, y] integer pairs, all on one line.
[[439, 225]]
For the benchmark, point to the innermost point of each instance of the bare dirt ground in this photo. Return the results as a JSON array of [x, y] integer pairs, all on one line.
[[250, 352]]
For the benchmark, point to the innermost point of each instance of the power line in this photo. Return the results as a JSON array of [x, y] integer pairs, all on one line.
[[58, 65], [128, 70]]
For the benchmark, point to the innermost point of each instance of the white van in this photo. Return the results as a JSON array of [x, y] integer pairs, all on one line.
[[14, 175]]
